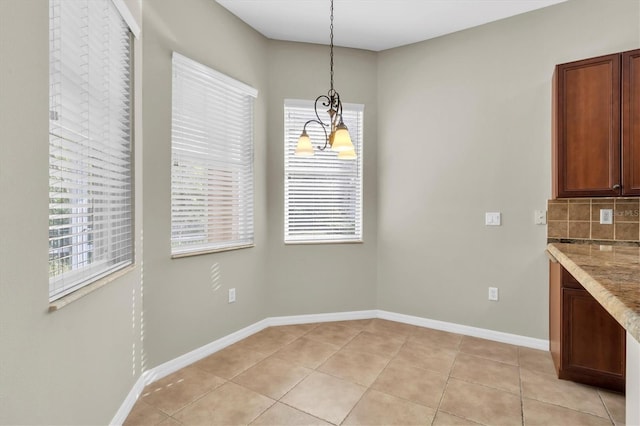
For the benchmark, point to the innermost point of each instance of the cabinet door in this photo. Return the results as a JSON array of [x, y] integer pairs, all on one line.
[[587, 128], [593, 347], [555, 314], [631, 123]]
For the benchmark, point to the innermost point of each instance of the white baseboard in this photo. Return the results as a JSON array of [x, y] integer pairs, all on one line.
[[130, 400], [313, 318], [163, 370], [497, 336], [189, 358]]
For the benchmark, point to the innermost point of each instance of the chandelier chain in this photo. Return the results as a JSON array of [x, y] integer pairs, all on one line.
[[336, 134], [331, 46]]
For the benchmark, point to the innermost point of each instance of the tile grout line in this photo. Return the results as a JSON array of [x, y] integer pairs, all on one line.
[[592, 208], [459, 351], [195, 400], [312, 370], [279, 400], [520, 376], [446, 384], [263, 411], [570, 408], [393, 357], [370, 387], [613, 422]]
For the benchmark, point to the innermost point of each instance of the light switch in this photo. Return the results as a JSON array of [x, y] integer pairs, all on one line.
[[540, 217], [492, 219]]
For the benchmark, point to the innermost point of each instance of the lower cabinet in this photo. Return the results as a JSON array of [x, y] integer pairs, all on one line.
[[587, 344]]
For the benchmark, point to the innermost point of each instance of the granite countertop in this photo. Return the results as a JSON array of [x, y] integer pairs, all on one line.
[[610, 273]]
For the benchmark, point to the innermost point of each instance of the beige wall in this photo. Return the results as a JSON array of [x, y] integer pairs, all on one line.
[[462, 124], [465, 129], [319, 278], [184, 307], [76, 365]]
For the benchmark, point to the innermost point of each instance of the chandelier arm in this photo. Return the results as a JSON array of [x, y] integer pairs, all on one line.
[[327, 103], [324, 129], [338, 103]]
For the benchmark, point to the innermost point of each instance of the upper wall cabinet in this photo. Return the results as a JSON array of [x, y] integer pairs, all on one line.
[[596, 127], [631, 123]]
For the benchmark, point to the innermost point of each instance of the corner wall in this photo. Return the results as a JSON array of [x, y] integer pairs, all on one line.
[[185, 299], [319, 278], [466, 130], [74, 365]]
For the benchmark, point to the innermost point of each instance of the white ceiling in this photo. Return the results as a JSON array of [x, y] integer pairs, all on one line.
[[373, 24]]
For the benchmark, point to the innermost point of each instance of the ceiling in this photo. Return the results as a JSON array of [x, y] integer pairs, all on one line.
[[373, 24]]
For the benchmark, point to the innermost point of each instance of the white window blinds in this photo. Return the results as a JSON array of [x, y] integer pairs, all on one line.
[[90, 193], [322, 194], [211, 160]]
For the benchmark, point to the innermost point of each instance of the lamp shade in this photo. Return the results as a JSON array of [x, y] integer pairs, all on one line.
[[342, 139], [304, 148], [347, 155]]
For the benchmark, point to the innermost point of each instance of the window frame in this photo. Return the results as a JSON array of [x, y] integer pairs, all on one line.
[[292, 130], [115, 236], [224, 155]]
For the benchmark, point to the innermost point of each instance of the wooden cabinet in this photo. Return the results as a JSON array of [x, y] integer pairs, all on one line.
[[631, 122], [596, 127], [587, 344]]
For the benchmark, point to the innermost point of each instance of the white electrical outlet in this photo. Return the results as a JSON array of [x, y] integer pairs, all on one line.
[[606, 216], [493, 293], [540, 217], [232, 295]]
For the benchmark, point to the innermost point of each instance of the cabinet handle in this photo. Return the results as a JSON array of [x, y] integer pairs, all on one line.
[[616, 186]]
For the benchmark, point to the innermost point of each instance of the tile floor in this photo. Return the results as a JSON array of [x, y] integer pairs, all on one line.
[[372, 372]]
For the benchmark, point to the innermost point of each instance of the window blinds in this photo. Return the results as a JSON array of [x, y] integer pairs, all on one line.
[[322, 194], [212, 160], [90, 194]]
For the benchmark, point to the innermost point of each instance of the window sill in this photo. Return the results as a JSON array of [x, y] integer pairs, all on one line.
[[307, 242], [90, 288], [205, 251]]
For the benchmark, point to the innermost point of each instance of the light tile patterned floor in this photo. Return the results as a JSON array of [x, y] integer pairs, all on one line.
[[372, 372]]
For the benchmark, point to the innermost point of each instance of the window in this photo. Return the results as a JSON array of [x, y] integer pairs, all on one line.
[[322, 194], [211, 160], [90, 170]]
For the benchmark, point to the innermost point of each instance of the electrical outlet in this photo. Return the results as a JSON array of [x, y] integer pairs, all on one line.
[[493, 294], [606, 216], [540, 217], [232, 295]]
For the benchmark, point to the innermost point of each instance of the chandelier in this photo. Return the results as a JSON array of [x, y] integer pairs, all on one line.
[[337, 138]]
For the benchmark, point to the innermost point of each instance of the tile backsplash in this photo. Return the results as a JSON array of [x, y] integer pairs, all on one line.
[[579, 219]]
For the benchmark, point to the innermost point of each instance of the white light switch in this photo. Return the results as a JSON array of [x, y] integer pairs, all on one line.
[[493, 294], [492, 219]]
